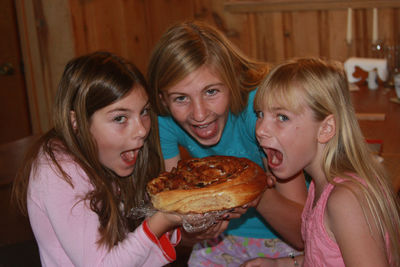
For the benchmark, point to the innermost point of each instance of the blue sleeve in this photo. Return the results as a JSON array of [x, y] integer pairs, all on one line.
[[169, 136], [249, 117]]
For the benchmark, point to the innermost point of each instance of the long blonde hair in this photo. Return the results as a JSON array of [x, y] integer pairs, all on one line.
[[324, 87], [187, 46], [89, 83]]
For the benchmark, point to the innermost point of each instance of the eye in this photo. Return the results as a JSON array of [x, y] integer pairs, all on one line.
[[259, 114], [146, 111], [282, 117], [211, 92], [120, 119], [181, 98]]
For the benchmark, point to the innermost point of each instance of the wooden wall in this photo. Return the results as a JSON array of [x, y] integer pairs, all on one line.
[[53, 31]]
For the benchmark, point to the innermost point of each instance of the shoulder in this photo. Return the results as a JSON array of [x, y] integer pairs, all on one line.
[[248, 115], [46, 170], [249, 110], [167, 123], [345, 210], [349, 219], [344, 198], [252, 95]]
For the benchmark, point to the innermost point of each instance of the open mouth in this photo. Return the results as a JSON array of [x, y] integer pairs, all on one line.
[[275, 157], [129, 157], [205, 131]]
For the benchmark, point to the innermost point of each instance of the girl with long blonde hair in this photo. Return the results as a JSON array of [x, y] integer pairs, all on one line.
[[306, 120]]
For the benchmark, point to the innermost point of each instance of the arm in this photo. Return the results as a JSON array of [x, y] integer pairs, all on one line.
[[280, 262], [172, 162], [346, 223], [66, 226], [284, 203]]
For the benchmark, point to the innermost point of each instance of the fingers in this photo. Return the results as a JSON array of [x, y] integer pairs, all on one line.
[[258, 262], [214, 231], [271, 180]]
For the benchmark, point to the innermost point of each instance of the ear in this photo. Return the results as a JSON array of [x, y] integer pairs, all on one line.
[[72, 117], [163, 100], [327, 129]]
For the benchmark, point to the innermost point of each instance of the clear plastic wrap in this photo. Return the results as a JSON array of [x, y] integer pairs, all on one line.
[[192, 223]]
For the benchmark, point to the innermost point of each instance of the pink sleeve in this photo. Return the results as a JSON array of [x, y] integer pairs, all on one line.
[[67, 230]]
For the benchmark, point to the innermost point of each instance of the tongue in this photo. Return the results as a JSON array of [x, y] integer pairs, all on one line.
[[274, 157], [208, 131], [128, 156]]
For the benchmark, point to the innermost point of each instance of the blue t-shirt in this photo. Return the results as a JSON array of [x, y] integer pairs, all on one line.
[[238, 139]]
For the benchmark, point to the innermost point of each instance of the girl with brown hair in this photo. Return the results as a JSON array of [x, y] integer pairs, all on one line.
[[81, 181]]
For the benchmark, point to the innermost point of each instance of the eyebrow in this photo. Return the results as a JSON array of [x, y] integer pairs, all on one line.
[[126, 109], [214, 84], [205, 88], [276, 108]]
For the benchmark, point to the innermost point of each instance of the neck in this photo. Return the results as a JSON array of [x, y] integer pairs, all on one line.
[[316, 172]]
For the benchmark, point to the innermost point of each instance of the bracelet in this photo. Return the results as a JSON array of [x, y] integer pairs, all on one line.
[[295, 263]]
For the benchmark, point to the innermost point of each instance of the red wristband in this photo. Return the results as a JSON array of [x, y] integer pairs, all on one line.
[[163, 243]]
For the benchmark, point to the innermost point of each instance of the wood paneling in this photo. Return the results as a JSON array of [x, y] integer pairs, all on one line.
[[47, 44], [314, 28], [14, 114], [270, 30]]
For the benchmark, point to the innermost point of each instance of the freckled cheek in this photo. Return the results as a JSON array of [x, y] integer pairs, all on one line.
[[221, 108], [290, 136], [180, 114], [147, 126], [106, 152]]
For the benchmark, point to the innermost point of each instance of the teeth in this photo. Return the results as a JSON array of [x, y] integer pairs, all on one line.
[[275, 157], [202, 126], [275, 160], [128, 156]]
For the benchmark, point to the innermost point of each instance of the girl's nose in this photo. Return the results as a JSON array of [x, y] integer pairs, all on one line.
[[199, 111], [262, 129], [139, 130]]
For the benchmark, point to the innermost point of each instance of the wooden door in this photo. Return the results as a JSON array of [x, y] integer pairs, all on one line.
[[14, 112]]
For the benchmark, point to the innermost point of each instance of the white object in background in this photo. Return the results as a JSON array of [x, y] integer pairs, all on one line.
[[397, 85], [372, 80], [366, 64], [375, 25], [349, 26]]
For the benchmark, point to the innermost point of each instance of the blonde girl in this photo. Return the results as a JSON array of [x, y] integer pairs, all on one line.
[[306, 121], [203, 89]]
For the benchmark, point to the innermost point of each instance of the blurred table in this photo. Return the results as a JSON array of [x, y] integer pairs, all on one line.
[[388, 130]]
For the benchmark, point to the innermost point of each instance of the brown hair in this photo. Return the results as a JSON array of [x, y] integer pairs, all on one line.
[[89, 83], [187, 46], [324, 87]]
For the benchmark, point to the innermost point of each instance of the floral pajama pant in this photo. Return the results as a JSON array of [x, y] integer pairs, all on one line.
[[228, 250]]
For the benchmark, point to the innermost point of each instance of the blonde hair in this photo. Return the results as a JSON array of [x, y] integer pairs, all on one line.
[[187, 46], [324, 88]]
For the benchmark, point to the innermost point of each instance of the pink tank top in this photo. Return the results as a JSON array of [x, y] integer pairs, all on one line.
[[320, 249]]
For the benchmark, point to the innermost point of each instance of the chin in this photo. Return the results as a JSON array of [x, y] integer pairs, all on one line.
[[123, 173], [280, 174], [210, 141]]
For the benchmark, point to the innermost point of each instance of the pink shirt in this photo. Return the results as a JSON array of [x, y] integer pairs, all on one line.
[[320, 249], [66, 229]]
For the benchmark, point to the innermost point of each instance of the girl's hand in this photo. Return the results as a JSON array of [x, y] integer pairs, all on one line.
[[214, 231], [271, 180], [162, 222], [281, 262], [260, 262], [239, 211]]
